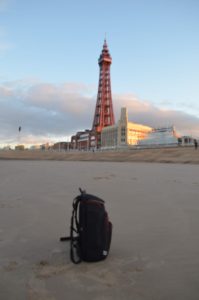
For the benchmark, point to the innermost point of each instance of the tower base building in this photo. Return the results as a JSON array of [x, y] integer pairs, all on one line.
[[84, 140]]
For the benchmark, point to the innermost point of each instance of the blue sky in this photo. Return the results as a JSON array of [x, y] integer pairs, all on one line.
[[49, 71]]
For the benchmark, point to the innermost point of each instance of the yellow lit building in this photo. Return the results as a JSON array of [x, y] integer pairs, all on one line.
[[124, 133]]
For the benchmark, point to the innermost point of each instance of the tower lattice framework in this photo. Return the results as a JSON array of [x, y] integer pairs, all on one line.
[[104, 115]]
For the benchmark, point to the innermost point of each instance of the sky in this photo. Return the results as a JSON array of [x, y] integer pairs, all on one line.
[[49, 71]]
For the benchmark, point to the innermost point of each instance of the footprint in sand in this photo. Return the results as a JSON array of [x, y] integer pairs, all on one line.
[[12, 265]]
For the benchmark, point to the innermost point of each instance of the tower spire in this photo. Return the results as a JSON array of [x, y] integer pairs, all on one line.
[[104, 115]]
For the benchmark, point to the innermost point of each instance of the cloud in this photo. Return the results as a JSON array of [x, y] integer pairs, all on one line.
[[145, 113], [49, 112], [68, 98], [45, 111]]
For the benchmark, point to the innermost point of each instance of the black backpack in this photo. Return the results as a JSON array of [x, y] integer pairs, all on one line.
[[90, 231]]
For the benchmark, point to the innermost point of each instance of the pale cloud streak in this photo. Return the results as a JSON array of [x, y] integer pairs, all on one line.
[[3, 5], [4, 44], [68, 98], [49, 112]]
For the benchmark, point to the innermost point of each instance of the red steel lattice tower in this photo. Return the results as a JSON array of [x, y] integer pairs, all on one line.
[[104, 115]]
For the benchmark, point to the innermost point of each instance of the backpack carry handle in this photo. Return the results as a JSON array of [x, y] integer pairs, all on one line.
[[82, 191]]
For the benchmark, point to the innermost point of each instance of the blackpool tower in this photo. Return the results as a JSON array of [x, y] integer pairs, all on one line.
[[104, 115]]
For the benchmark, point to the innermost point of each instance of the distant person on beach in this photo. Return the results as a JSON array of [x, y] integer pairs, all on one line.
[[195, 144]]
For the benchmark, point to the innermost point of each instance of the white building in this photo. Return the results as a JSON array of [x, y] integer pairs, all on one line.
[[161, 136], [124, 133]]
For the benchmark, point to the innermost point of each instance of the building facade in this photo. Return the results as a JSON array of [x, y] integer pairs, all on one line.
[[124, 133], [84, 140]]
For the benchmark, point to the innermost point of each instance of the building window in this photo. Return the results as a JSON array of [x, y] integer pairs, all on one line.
[[123, 134], [123, 131]]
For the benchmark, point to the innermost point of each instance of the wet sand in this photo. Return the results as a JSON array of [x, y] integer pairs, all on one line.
[[154, 208]]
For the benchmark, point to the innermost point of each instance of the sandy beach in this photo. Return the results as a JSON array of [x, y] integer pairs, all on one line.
[[183, 155], [154, 209]]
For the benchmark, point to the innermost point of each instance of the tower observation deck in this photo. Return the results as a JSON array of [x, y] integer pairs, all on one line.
[[104, 115]]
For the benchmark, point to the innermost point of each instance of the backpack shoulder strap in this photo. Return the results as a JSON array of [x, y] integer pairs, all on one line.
[[75, 254]]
